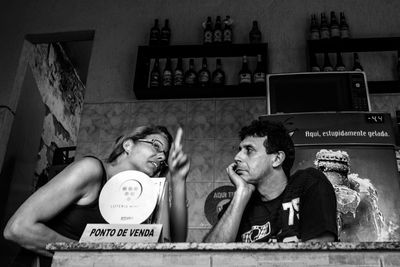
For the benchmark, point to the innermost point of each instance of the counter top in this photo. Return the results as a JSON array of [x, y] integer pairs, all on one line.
[[316, 246]]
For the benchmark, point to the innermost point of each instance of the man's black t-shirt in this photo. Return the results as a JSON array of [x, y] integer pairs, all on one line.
[[305, 210]]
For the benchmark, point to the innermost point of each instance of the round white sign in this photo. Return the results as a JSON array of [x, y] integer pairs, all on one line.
[[128, 197]]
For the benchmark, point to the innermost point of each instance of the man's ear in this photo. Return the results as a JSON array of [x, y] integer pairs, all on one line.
[[278, 159], [128, 145]]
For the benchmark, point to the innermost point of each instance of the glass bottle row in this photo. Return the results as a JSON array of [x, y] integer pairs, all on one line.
[[168, 76]]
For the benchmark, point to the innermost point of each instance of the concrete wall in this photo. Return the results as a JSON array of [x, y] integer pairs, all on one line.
[[123, 25], [120, 26]]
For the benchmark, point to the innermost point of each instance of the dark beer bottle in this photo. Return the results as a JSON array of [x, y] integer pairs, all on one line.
[[191, 75], [227, 33], [324, 29], [327, 63], [334, 27], [356, 63], [218, 75], [398, 65], [155, 74], [167, 74], [165, 34], [344, 27], [314, 64], [244, 73], [259, 73], [314, 28], [204, 73], [339, 63], [178, 73], [208, 31], [255, 33], [154, 34], [217, 34]]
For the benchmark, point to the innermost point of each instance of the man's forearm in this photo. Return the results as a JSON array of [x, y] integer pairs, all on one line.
[[227, 227]]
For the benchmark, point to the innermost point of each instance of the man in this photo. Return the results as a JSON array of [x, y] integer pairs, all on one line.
[[270, 205]]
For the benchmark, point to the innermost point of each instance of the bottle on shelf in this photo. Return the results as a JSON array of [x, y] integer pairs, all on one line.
[[398, 129], [344, 27], [227, 32], [259, 73], [191, 74], [204, 73], [155, 74], [334, 26], [208, 31], [327, 63], [218, 75], [178, 74], [167, 74], [165, 34], [398, 65], [155, 34], [217, 34], [324, 28], [255, 33], [244, 73], [356, 63], [314, 28], [339, 63], [314, 64]]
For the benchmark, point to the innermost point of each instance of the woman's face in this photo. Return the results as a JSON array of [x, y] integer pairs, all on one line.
[[148, 154]]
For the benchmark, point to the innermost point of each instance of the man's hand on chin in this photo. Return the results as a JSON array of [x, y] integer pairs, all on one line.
[[242, 187]]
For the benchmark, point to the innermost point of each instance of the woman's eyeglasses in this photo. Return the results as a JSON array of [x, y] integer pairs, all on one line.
[[157, 145]]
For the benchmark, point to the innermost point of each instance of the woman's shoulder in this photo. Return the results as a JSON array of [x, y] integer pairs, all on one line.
[[88, 168], [90, 161]]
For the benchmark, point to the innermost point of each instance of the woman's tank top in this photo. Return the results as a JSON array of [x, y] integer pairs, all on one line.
[[71, 222]]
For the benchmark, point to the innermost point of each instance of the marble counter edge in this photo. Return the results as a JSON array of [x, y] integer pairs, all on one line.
[[313, 246]]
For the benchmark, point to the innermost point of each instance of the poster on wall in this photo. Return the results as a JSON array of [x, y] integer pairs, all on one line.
[[216, 200], [356, 152]]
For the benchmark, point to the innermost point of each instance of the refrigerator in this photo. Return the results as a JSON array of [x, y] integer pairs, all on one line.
[[357, 152]]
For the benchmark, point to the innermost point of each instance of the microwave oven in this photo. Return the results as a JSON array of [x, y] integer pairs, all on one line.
[[317, 92]]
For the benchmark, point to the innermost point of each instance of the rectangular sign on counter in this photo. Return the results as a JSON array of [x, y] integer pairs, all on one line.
[[125, 233]]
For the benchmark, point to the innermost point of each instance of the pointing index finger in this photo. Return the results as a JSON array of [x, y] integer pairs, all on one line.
[[178, 137]]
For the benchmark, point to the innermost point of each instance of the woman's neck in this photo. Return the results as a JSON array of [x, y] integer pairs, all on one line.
[[117, 166]]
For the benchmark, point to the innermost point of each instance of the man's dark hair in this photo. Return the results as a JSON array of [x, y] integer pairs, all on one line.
[[278, 139]]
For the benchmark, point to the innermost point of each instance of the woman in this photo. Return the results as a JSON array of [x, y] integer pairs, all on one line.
[[60, 210]]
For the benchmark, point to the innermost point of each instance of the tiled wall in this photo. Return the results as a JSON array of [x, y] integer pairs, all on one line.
[[385, 103], [210, 136]]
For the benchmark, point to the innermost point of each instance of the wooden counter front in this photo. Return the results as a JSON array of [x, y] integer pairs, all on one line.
[[226, 254]]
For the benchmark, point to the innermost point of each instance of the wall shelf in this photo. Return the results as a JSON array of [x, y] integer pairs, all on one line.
[[146, 53], [360, 45], [201, 92], [354, 45]]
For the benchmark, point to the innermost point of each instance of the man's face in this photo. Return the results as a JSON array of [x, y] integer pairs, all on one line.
[[253, 162]]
